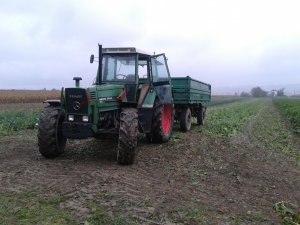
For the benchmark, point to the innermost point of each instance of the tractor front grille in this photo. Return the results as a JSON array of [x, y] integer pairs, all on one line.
[[76, 100]]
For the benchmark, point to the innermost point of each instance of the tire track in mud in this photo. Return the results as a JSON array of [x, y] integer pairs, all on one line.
[[79, 180]]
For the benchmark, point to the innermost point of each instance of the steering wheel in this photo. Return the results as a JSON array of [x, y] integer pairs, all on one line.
[[121, 76]]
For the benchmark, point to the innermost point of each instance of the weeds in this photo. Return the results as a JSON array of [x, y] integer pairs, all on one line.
[[291, 109], [271, 133], [101, 217], [288, 216], [29, 208]]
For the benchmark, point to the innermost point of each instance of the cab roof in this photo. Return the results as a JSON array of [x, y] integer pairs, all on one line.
[[124, 50]]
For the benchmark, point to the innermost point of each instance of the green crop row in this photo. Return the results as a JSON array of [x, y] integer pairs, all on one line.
[[291, 109], [11, 121], [223, 101], [226, 121]]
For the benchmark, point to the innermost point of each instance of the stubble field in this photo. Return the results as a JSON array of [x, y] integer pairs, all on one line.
[[241, 167]]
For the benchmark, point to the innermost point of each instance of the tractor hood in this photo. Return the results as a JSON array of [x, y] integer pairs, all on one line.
[[108, 92]]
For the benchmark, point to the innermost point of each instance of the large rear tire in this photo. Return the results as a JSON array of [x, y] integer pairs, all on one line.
[[162, 122], [127, 136], [185, 120], [51, 140]]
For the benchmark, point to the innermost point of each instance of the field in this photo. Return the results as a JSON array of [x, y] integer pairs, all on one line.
[[27, 96], [241, 167], [291, 109]]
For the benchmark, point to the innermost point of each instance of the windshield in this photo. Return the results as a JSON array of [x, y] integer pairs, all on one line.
[[118, 68]]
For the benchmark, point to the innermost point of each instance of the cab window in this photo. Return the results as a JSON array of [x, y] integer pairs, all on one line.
[[159, 68]]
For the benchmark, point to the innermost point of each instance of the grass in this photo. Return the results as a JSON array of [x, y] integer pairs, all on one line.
[[271, 132], [29, 208], [291, 109], [101, 217]]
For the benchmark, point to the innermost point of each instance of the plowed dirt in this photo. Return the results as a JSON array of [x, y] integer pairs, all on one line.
[[193, 179]]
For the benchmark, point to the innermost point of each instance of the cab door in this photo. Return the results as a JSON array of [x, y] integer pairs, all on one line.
[[161, 79]]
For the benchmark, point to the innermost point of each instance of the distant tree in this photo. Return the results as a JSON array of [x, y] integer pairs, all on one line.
[[280, 92], [245, 94], [257, 92]]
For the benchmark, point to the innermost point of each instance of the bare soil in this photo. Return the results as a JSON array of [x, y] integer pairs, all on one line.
[[193, 179]]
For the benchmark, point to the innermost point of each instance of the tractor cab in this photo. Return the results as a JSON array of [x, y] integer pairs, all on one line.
[[131, 67]]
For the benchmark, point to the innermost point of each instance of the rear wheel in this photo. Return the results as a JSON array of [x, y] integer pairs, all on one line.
[[162, 123], [50, 136], [127, 136], [185, 119], [201, 115]]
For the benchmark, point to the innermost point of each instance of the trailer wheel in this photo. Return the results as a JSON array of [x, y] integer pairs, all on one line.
[[162, 124], [51, 141], [127, 136], [201, 116], [185, 120]]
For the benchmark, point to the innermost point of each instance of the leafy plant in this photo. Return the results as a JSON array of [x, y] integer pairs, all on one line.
[[288, 216], [227, 121], [11, 121], [291, 109]]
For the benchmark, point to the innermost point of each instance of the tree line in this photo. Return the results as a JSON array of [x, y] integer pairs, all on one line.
[[258, 92]]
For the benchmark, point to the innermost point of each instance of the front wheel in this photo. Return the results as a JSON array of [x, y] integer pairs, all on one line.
[[127, 136], [162, 123], [51, 140]]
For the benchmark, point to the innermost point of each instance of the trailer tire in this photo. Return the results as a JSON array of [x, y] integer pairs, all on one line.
[[51, 140], [201, 116], [127, 136], [162, 123], [185, 119]]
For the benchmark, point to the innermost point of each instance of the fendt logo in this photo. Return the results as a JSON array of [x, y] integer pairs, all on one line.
[[75, 96], [76, 105]]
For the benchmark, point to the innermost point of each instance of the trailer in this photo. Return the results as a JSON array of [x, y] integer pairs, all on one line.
[[190, 98]]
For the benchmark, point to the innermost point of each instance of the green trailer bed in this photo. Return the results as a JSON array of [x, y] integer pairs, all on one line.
[[190, 91]]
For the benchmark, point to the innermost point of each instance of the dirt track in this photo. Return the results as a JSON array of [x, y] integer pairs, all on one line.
[[226, 180]]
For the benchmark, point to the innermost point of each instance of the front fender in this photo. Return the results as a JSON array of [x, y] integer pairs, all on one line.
[[53, 102]]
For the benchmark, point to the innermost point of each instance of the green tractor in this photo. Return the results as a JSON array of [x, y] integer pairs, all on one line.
[[132, 92]]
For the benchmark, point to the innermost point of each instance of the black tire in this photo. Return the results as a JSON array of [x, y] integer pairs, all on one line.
[[201, 115], [127, 136], [51, 141], [185, 119], [162, 122]]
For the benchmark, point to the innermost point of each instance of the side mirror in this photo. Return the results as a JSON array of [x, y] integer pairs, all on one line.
[[92, 58]]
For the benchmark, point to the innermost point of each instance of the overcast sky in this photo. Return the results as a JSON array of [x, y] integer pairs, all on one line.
[[231, 43]]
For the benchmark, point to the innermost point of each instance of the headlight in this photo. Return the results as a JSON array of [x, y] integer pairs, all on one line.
[[71, 117], [85, 118]]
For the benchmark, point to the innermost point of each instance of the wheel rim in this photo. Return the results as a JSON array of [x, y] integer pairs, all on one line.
[[166, 118]]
